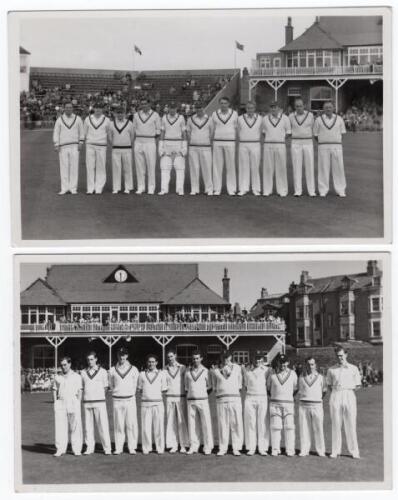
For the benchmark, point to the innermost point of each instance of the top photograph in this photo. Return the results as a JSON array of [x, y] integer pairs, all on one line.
[[200, 127]]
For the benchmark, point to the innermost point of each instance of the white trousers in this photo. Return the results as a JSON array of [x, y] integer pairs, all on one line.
[[66, 421], [343, 411], [311, 419], [166, 164], [230, 421], [152, 427], [145, 163], [96, 168], [200, 160], [303, 154], [282, 418], [274, 163], [125, 423], [256, 423], [176, 423], [249, 167], [96, 415], [330, 157], [69, 167], [199, 425], [224, 154], [122, 162]]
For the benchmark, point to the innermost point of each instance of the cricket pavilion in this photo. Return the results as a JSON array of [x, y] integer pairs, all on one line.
[[147, 308]]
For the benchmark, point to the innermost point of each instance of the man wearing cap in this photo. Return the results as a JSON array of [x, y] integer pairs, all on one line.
[[68, 138], [282, 387], [172, 149], [176, 411], [121, 138], [146, 126], [328, 131], [123, 384], [343, 379], [256, 407], [276, 127], [225, 122], [250, 127], [200, 131], [302, 149], [96, 128], [311, 391]]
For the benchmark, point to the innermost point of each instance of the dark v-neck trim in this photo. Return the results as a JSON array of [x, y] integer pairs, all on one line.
[[123, 375], [149, 115], [66, 125], [176, 373], [96, 126], [195, 379], [247, 123], [120, 130], [227, 376], [154, 378], [277, 123], [313, 382], [227, 120], [305, 117], [282, 382], [94, 374], [326, 125], [173, 122], [197, 124]]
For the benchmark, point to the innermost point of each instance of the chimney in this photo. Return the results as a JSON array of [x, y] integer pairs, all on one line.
[[225, 286], [372, 268], [304, 277], [264, 293], [288, 31]]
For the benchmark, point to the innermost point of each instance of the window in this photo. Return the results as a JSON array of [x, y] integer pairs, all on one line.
[[300, 333], [365, 55], [184, 353], [376, 281], [317, 321], [344, 332], [376, 304], [300, 312], [310, 59], [294, 92], [43, 356], [330, 320], [327, 58], [241, 357], [265, 62], [277, 62], [214, 349], [375, 328], [302, 58], [318, 95], [344, 308], [153, 308]]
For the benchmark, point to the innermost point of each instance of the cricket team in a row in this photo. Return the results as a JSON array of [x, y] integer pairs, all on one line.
[[175, 412], [210, 144]]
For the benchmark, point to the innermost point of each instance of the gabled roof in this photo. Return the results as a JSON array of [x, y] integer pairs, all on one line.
[[23, 51], [334, 283], [315, 37], [196, 292], [40, 293], [85, 283]]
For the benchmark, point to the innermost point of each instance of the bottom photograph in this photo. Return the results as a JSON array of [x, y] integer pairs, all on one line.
[[148, 372]]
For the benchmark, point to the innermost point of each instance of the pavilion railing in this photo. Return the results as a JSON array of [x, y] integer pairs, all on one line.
[[363, 69]]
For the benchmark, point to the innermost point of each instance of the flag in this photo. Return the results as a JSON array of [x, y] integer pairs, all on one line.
[[239, 46], [138, 50]]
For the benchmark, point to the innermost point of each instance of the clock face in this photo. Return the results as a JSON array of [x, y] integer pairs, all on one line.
[[120, 275]]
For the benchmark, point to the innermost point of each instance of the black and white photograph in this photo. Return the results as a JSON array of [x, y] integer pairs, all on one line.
[[234, 126], [245, 372]]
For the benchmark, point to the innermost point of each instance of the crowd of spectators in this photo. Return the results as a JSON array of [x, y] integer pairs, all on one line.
[[364, 115], [37, 379]]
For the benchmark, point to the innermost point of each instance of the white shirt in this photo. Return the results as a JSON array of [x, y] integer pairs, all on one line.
[[227, 382], [121, 133], [197, 382], [95, 382], [256, 381], [68, 388], [152, 384], [225, 125], [123, 381], [96, 130], [329, 130], [68, 131], [250, 128], [146, 126], [200, 130], [175, 376], [302, 126], [311, 387], [343, 377], [282, 386], [276, 129]]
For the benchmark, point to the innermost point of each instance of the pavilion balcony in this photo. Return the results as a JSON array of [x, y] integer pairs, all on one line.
[[333, 71]]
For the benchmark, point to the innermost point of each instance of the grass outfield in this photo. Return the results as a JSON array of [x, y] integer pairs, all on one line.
[[45, 215], [40, 467]]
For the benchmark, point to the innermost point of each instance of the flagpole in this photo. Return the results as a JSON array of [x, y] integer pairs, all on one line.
[[235, 59]]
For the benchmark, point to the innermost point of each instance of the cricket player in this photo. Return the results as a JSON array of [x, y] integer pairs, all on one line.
[[96, 128], [172, 149], [95, 385], [343, 379], [282, 387], [123, 379], [152, 384], [256, 407], [276, 127], [328, 130], [302, 148], [250, 127], [67, 393], [121, 137], [312, 390], [198, 386], [200, 132], [146, 126], [225, 123], [68, 138], [176, 412], [227, 384]]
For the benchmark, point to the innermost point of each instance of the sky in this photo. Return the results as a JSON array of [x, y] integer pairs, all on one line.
[[247, 278], [168, 40]]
